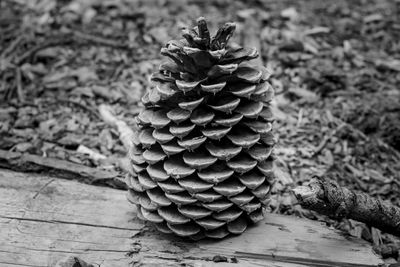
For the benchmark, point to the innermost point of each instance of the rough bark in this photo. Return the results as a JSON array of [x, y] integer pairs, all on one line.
[[327, 197]]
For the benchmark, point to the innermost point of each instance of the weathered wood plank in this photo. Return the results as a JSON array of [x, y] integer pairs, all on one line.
[[43, 219]]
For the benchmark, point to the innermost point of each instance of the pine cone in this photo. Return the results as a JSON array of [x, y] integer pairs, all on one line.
[[201, 162]]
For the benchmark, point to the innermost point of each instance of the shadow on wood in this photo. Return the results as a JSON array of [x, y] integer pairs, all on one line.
[[44, 219]]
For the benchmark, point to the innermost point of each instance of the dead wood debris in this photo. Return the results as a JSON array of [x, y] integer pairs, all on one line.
[[27, 162], [125, 132], [327, 197]]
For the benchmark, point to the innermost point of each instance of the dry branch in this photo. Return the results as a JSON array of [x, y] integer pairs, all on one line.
[[34, 163], [93, 155], [125, 132], [327, 197]]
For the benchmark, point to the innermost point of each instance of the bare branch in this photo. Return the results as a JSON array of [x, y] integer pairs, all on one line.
[[327, 197]]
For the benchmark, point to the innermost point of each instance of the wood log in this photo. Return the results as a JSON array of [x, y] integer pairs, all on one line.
[[44, 220], [328, 197], [26, 162]]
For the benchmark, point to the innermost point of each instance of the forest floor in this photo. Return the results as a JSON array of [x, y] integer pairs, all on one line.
[[336, 72]]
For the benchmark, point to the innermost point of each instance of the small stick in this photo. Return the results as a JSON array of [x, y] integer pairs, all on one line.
[[126, 134], [12, 46], [327, 197], [30, 162], [99, 40], [93, 155], [20, 92], [51, 42], [79, 104]]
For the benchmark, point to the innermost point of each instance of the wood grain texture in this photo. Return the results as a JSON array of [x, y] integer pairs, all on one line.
[[44, 219]]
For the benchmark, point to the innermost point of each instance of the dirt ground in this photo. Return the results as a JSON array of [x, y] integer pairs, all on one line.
[[336, 72]]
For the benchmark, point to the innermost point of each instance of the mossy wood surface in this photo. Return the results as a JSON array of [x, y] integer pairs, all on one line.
[[44, 219]]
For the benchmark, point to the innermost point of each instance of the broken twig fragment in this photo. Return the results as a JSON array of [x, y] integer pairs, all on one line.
[[34, 163], [125, 132], [327, 197]]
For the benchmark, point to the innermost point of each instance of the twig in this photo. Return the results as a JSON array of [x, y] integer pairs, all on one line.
[[51, 41], [18, 78], [12, 46], [93, 155], [29, 162], [83, 106], [327, 197], [126, 133], [123, 163], [98, 39]]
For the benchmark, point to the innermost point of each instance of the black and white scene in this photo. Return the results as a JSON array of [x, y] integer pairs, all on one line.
[[196, 133]]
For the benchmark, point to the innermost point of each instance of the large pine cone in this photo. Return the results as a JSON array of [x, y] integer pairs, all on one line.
[[201, 162]]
